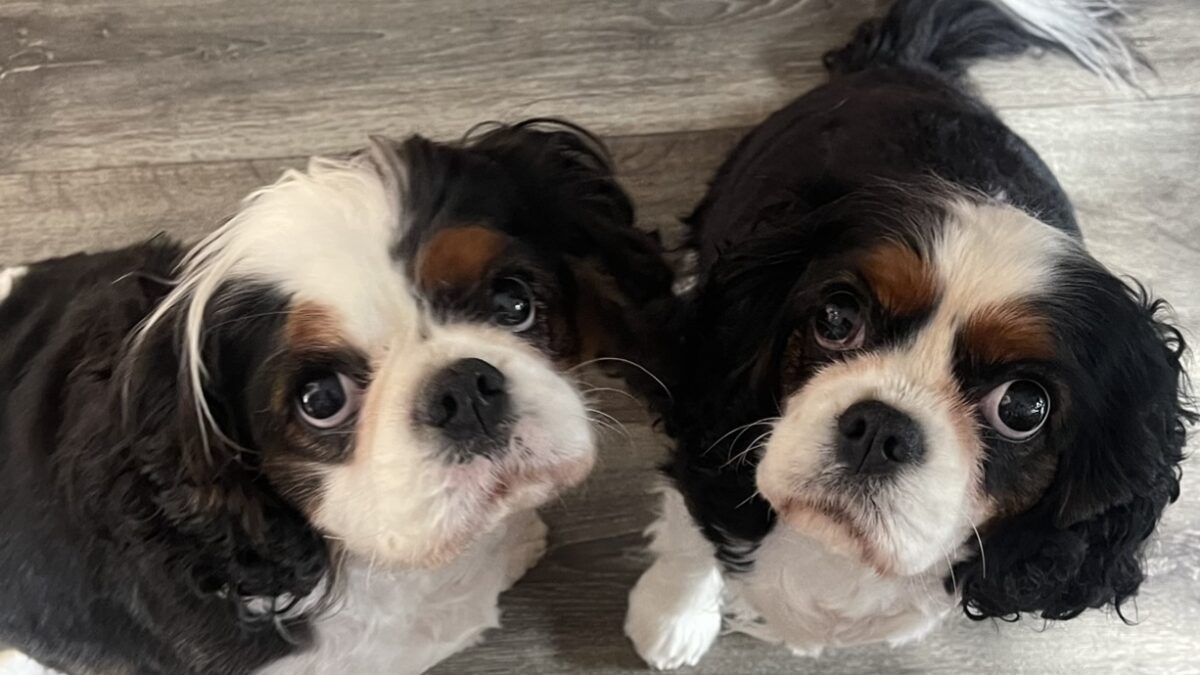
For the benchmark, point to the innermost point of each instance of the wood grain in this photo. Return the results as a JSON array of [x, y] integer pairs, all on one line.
[[100, 83], [122, 119]]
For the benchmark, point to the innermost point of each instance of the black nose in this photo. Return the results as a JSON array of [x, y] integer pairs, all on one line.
[[468, 401], [873, 437]]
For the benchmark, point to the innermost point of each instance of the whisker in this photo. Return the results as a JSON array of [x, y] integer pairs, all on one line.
[[627, 362], [617, 425], [749, 448], [614, 390], [743, 428], [747, 500], [978, 539]]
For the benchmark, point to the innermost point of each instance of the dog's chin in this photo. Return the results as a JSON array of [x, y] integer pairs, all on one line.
[[848, 530], [481, 493]]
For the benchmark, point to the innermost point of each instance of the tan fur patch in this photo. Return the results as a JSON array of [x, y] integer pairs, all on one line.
[[598, 312], [1007, 333], [1037, 473], [312, 327], [900, 279], [458, 256]]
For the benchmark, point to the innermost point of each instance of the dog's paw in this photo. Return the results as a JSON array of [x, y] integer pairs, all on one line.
[[674, 618], [528, 546]]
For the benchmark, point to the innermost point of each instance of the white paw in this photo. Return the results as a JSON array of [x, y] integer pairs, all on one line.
[[674, 617], [528, 547]]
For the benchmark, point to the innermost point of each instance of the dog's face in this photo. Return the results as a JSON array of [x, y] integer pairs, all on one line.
[[922, 364], [389, 337], [951, 374]]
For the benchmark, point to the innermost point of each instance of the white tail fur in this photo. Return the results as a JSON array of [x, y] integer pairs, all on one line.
[[1082, 28]]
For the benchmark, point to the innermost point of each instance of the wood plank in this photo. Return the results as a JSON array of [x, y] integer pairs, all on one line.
[[53, 213], [102, 83]]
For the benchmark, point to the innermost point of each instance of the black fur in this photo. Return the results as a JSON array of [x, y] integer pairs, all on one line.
[[124, 541], [852, 161]]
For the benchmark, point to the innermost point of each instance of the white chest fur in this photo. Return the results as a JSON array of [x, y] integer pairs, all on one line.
[[801, 594], [404, 622]]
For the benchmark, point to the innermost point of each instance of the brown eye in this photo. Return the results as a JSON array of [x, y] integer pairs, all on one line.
[[1017, 409], [512, 304], [327, 400], [838, 325]]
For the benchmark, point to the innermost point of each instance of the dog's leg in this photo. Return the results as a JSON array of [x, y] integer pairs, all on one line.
[[675, 608]]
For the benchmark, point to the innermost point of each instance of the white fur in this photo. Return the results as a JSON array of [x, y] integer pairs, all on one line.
[[808, 597], [814, 584], [431, 543], [1079, 26], [675, 607], [13, 662], [402, 622], [8, 280]]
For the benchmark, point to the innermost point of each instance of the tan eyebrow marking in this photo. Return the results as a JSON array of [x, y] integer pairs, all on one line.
[[1009, 332], [313, 327], [458, 256], [902, 282]]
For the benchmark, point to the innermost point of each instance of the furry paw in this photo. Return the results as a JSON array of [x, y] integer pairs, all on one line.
[[674, 617], [528, 546]]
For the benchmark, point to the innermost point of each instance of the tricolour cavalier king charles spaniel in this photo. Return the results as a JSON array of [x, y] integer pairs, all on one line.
[[313, 443], [906, 384]]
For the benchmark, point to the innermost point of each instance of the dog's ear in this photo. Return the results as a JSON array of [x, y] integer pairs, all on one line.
[[1081, 546], [183, 481]]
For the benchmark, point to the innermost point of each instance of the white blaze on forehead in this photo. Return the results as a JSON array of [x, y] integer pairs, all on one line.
[[325, 236], [8, 280], [983, 256], [987, 254]]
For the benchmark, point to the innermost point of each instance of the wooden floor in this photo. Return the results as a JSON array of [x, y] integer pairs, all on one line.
[[123, 118]]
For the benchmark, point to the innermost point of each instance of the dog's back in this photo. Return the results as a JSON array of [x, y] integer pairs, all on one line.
[[897, 109], [62, 325]]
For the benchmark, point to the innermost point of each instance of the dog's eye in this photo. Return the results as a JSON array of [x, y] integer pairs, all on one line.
[[839, 322], [512, 304], [1017, 409], [327, 399]]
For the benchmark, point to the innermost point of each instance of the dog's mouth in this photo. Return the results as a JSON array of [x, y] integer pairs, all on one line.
[[537, 466], [842, 527]]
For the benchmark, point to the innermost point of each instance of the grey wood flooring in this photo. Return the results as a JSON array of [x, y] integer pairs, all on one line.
[[121, 119]]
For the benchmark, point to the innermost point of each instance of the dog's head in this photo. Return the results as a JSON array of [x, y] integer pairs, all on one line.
[[376, 351], [949, 374]]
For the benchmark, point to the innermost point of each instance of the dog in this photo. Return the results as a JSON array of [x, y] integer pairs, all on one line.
[[907, 386], [313, 442]]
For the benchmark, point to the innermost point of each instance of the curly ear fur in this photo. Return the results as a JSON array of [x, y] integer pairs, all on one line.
[[1081, 546], [204, 512]]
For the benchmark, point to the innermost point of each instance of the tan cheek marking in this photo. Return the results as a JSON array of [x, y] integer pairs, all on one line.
[[458, 256], [1036, 475], [902, 282], [598, 312], [1007, 333]]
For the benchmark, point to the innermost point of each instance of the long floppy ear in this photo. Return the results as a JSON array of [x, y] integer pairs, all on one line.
[[623, 298], [193, 484], [1081, 546]]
